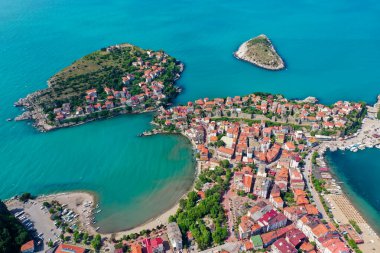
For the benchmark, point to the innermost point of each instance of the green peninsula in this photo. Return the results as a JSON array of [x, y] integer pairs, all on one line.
[[113, 80], [260, 52]]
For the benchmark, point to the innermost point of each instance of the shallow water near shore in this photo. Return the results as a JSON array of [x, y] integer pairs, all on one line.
[[330, 48], [359, 174]]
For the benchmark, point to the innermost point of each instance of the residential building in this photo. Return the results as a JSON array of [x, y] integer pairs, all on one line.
[[65, 248], [27, 247], [174, 235], [282, 246]]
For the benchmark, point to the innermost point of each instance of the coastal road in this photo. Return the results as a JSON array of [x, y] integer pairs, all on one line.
[[307, 175]]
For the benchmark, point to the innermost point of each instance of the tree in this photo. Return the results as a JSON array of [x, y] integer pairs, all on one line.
[[219, 235], [12, 233], [76, 236], [25, 196], [96, 243], [224, 164], [85, 238], [314, 157], [50, 244]]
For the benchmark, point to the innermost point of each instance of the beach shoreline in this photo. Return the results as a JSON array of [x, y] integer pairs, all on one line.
[[350, 195], [72, 198], [343, 206]]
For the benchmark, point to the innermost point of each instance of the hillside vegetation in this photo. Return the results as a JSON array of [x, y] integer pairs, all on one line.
[[260, 52], [98, 70]]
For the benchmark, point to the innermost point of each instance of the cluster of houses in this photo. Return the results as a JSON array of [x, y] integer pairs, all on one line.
[[274, 222], [202, 121], [269, 158], [268, 107], [284, 227], [29, 247], [156, 245], [148, 245], [109, 98]]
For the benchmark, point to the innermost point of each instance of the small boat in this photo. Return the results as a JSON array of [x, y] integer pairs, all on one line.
[[98, 211], [9, 119], [97, 228]]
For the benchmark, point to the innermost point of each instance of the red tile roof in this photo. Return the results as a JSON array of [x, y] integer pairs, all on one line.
[[27, 246], [65, 248]]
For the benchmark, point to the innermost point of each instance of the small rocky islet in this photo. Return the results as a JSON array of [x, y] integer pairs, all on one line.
[[260, 52]]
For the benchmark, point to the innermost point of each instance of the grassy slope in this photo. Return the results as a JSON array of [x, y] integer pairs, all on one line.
[[260, 49], [97, 70]]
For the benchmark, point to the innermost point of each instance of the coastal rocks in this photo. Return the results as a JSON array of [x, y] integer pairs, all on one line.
[[311, 100], [24, 116], [260, 52]]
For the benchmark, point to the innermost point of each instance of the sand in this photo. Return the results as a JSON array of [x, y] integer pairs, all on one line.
[[344, 211], [75, 201]]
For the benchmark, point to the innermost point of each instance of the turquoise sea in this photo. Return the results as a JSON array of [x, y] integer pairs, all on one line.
[[359, 173], [330, 47]]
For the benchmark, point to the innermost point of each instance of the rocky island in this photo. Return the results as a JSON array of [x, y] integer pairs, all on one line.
[[260, 52], [111, 81]]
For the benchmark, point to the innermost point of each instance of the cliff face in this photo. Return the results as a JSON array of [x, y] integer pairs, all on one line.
[[260, 51]]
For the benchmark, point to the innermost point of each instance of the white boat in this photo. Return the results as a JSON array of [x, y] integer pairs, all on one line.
[[354, 150]]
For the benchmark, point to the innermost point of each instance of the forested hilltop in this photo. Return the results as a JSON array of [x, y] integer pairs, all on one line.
[[117, 79], [12, 233]]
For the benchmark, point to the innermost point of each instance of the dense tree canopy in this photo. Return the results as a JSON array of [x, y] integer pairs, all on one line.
[[195, 214], [12, 233]]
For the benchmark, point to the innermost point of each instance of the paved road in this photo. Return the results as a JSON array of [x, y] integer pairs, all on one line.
[[307, 175], [230, 247]]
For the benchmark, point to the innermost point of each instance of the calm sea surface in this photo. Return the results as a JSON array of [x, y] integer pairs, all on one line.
[[360, 174], [330, 47]]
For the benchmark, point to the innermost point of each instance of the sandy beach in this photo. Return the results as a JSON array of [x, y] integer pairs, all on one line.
[[163, 218], [344, 211], [342, 208], [76, 201]]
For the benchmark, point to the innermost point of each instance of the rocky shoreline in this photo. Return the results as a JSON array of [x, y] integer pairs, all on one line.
[[249, 54], [60, 105]]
